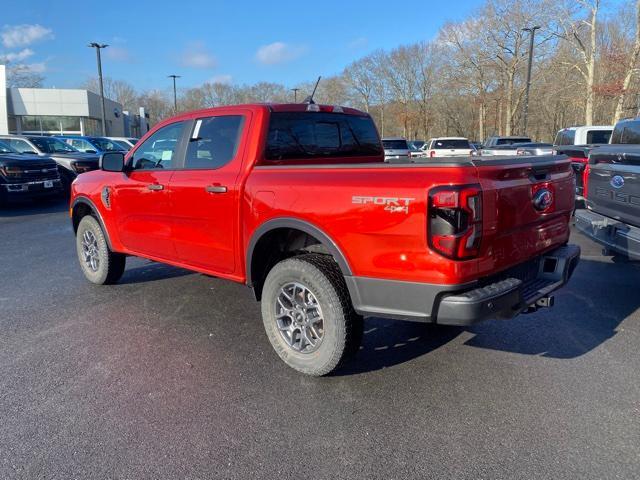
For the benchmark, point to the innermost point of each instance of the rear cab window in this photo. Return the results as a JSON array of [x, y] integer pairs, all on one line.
[[451, 144], [511, 141], [321, 137], [395, 145], [565, 137], [598, 136]]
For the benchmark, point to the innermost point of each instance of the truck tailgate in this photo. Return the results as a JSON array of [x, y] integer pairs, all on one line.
[[527, 205], [614, 183]]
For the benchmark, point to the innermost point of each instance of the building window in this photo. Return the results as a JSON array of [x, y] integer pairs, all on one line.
[[13, 124], [51, 124], [92, 126]]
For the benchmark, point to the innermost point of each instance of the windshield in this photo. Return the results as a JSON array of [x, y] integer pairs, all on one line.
[[52, 145], [4, 148], [133, 140], [395, 144], [124, 145], [107, 145]]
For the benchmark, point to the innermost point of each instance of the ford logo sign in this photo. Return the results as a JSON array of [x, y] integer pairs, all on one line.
[[542, 199], [617, 181]]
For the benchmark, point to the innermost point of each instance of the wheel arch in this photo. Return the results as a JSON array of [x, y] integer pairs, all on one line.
[[262, 240], [83, 206]]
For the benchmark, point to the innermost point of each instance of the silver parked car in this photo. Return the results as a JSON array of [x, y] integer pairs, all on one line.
[[395, 149]]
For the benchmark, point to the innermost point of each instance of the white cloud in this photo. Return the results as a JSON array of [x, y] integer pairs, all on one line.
[[223, 78], [197, 56], [39, 67], [23, 35], [17, 56], [358, 43], [278, 52], [118, 54]]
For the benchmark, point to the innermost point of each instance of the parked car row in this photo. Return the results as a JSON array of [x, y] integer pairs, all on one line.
[[26, 162]]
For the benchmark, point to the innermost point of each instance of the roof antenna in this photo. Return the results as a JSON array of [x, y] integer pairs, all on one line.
[[309, 99]]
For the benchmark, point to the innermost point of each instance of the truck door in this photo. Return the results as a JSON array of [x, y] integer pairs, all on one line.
[[205, 193], [141, 198]]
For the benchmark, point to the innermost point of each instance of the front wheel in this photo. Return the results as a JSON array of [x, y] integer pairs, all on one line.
[[98, 263], [308, 316]]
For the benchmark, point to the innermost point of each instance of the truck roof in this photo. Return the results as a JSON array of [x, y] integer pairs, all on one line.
[[589, 127], [271, 107]]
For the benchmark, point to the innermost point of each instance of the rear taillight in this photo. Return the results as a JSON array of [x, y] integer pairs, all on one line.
[[585, 180], [455, 221]]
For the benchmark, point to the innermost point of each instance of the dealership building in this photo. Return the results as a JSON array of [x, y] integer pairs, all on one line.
[[64, 111]]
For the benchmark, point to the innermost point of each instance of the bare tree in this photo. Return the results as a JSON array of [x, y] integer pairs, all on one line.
[[632, 68], [360, 76], [117, 90], [21, 76], [581, 34]]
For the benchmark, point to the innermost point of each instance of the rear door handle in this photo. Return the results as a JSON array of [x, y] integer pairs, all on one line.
[[215, 189], [155, 186]]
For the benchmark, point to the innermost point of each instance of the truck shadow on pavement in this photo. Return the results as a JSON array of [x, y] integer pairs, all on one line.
[[150, 272], [386, 343], [35, 207], [587, 313]]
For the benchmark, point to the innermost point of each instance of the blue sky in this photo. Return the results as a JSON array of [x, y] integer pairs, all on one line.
[[236, 41]]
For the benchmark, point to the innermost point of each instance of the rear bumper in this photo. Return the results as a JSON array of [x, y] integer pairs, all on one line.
[[528, 285], [614, 235]]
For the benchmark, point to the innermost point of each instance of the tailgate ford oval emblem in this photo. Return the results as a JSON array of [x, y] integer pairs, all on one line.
[[542, 199], [617, 181]]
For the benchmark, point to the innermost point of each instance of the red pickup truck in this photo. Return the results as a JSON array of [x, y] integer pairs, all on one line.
[[296, 202]]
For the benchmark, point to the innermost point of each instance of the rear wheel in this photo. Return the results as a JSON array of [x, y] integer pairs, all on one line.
[[308, 316], [98, 263]]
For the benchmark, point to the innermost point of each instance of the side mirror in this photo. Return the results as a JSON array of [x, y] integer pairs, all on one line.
[[90, 151], [112, 162]]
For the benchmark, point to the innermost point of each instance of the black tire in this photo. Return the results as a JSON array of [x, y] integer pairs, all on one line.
[[109, 266], [341, 325]]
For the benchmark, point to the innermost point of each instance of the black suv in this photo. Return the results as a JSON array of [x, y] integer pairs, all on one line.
[[26, 176], [70, 161]]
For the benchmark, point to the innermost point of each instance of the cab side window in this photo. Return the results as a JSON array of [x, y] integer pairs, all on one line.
[[20, 145], [159, 150], [79, 144], [214, 141]]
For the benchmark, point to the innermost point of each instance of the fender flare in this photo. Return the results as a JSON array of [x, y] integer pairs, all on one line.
[[297, 224], [86, 201]]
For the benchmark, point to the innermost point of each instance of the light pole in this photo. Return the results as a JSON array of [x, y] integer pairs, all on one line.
[[532, 34], [99, 47], [295, 94], [175, 98]]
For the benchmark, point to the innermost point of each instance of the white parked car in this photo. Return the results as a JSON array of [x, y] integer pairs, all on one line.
[[395, 149], [583, 135], [448, 147], [529, 148]]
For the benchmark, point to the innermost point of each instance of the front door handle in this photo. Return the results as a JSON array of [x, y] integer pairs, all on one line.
[[155, 186], [215, 189]]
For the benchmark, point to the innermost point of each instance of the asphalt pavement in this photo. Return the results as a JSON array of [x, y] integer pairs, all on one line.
[[169, 374]]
